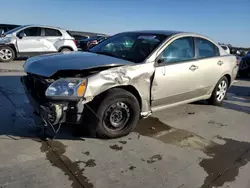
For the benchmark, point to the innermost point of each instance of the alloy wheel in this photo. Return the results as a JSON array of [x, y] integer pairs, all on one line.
[[221, 91], [5, 54]]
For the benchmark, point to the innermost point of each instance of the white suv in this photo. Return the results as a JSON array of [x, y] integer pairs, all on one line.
[[31, 40]]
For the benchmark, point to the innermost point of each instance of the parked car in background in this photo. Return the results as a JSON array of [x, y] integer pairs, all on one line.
[[244, 68], [86, 44], [80, 37], [30, 40], [127, 77], [6, 27], [226, 48]]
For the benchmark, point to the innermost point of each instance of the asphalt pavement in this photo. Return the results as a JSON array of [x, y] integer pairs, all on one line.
[[190, 146]]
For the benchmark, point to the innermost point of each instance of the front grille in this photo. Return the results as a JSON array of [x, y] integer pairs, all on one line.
[[37, 85]]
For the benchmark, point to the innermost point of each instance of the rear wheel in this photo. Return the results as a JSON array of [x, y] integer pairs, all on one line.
[[118, 114], [65, 50], [7, 54], [219, 92]]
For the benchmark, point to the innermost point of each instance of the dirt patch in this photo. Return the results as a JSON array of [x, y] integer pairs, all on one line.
[[225, 161], [216, 123], [116, 147], [123, 142], [55, 155], [154, 158], [90, 163], [132, 167], [86, 153]]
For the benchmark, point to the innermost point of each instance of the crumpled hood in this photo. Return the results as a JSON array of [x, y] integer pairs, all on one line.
[[47, 65]]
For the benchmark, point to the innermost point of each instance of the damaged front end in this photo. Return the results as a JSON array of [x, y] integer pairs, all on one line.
[[56, 106], [52, 111]]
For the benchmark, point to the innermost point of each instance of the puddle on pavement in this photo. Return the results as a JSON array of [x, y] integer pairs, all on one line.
[[154, 128], [150, 126], [225, 162], [55, 151]]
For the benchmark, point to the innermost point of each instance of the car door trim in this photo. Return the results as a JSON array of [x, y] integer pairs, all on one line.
[[180, 97]]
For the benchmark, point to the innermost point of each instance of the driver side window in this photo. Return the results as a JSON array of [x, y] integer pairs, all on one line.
[[181, 49], [31, 32]]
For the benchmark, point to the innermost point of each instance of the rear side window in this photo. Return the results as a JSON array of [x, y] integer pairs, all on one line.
[[224, 47], [52, 32], [32, 32], [206, 48], [181, 49]]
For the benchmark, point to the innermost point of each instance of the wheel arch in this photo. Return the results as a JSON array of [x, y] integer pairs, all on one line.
[[11, 46], [128, 88], [228, 79], [62, 47]]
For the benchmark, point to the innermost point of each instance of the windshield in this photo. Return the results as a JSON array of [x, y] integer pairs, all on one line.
[[135, 47], [14, 30]]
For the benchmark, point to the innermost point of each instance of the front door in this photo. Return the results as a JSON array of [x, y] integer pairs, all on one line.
[[177, 76], [31, 41]]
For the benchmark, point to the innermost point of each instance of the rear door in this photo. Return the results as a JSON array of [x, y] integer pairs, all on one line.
[[31, 42], [50, 38], [211, 65]]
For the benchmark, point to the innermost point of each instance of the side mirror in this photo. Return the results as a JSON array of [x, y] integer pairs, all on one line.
[[21, 34], [160, 61]]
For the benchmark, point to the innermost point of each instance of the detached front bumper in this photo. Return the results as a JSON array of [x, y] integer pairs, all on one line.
[[53, 112]]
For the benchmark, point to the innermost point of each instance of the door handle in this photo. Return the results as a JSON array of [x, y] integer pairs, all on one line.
[[193, 68], [220, 63]]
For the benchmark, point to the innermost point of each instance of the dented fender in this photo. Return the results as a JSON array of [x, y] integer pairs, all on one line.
[[139, 76]]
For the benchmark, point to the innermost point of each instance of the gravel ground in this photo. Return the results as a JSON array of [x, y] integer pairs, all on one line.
[[189, 146]]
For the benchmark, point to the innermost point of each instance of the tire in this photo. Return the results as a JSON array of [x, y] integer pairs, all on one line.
[[117, 105], [7, 54], [65, 50], [219, 92]]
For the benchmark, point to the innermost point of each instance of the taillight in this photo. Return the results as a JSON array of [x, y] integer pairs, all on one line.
[[74, 41]]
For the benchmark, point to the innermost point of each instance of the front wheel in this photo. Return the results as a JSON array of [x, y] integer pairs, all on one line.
[[7, 54], [118, 114], [219, 92]]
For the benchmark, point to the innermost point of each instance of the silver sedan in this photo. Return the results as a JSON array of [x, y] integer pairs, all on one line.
[[127, 77]]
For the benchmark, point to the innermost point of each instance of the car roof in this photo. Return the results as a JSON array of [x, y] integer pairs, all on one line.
[[168, 33], [159, 32], [35, 25]]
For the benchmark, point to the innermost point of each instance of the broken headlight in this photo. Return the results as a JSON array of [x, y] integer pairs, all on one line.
[[67, 87]]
